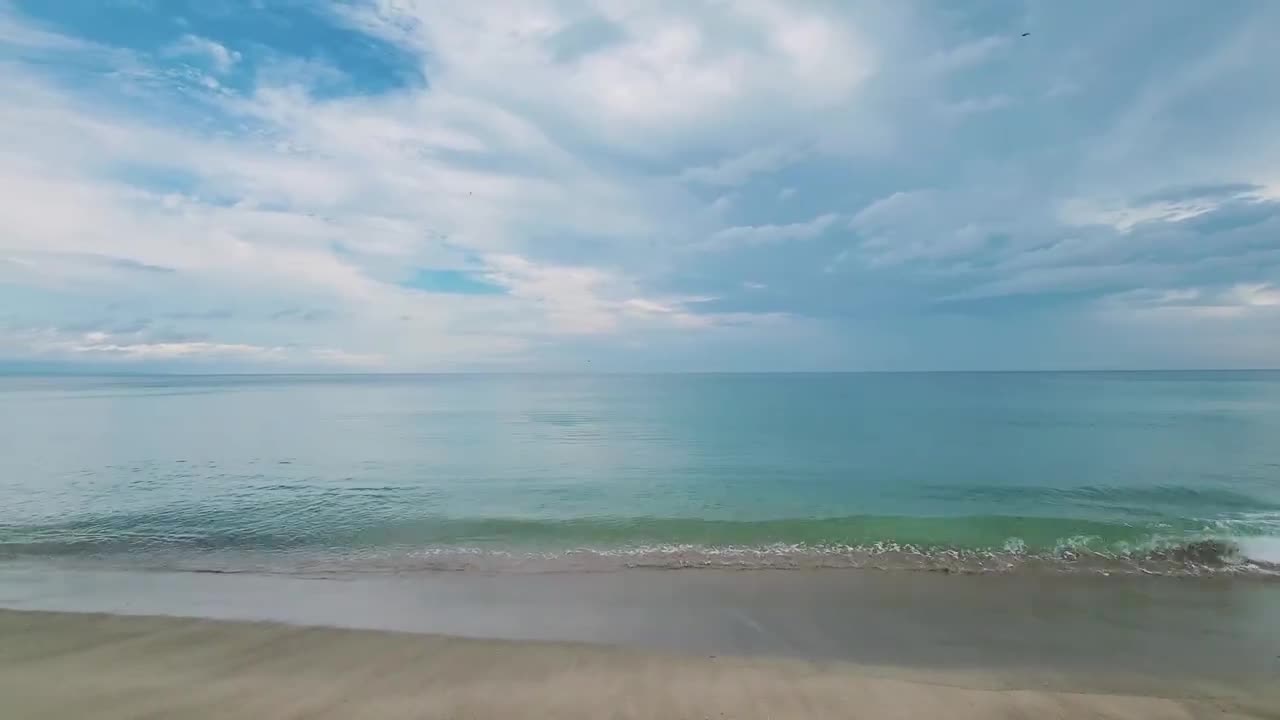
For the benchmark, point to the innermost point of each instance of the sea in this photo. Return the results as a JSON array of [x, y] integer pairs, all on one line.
[[1095, 473]]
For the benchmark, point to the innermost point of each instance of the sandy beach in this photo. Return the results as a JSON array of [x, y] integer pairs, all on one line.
[[57, 665]]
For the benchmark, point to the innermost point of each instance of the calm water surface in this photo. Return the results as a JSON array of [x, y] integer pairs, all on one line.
[[1100, 472]]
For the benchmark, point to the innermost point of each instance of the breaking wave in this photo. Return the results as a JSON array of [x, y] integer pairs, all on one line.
[[1244, 544]]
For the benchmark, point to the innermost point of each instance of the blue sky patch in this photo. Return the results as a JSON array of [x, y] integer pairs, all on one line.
[[452, 282]]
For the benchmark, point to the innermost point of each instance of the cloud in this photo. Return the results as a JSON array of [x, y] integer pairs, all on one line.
[[292, 206], [1233, 325], [573, 297], [217, 55], [1230, 301], [420, 185], [1163, 252], [101, 344], [671, 74], [1174, 204], [753, 235], [97, 346], [739, 169], [590, 301], [929, 225], [967, 54]]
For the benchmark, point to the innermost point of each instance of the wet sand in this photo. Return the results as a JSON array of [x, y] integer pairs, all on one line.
[[819, 644], [1125, 635], [55, 665]]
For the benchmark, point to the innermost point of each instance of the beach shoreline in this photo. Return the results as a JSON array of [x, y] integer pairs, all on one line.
[[112, 666], [1136, 636]]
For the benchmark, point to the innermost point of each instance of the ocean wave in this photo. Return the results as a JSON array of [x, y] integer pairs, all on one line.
[[1112, 496], [1257, 557], [1244, 543], [1197, 558]]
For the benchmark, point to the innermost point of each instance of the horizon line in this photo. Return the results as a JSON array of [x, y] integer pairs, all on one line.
[[420, 373]]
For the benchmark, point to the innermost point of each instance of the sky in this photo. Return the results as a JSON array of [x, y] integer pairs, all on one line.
[[411, 185]]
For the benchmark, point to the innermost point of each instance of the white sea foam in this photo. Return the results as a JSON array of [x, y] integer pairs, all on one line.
[[1255, 556]]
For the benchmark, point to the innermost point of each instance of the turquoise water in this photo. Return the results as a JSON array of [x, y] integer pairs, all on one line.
[[989, 471]]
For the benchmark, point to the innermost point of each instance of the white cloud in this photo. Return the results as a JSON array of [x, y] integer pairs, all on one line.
[[741, 168], [703, 73], [752, 235], [1240, 302], [1238, 298], [927, 225], [590, 301], [966, 55], [1125, 218], [99, 346], [368, 176], [1255, 295], [219, 56], [583, 181], [1174, 207], [572, 297]]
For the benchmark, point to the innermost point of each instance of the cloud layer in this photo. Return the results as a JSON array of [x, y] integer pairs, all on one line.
[[404, 185]]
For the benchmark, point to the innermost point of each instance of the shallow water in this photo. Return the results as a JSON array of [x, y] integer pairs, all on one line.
[[1076, 472]]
